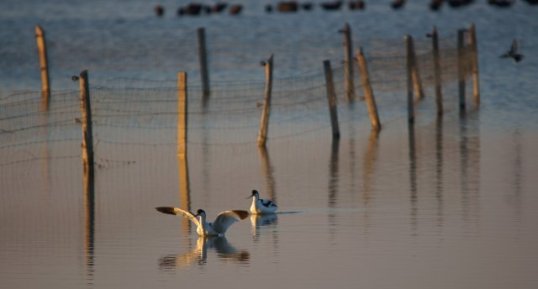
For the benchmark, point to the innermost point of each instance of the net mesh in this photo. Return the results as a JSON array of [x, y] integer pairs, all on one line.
[[131, 114]]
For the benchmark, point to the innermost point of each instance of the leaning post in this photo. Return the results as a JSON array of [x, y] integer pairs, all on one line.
[[368, 91], [331, 99], [264, 120]]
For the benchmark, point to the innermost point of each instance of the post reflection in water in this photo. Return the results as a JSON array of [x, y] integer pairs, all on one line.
[[439, 169], [267, 172], [370, 157], [44, 120], [413, 178], [266, 220], [198, 255], [515, 198], [184, 191], [469, 165], [333, 173], [89, 226]]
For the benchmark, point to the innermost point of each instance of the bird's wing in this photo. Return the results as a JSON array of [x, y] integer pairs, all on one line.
[[227, 218], [514, 46], [178, 211], [268, 203]]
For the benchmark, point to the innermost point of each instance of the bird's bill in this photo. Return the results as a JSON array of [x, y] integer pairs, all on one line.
[[166, 210]]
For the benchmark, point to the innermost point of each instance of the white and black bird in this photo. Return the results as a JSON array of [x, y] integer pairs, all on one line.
[[207, 229], [261, 206], [513, 52]]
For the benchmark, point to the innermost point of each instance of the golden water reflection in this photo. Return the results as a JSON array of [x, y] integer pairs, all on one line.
[[198, 254]]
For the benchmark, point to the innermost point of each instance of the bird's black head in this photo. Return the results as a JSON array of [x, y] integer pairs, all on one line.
[[200, 212], [254, 193]]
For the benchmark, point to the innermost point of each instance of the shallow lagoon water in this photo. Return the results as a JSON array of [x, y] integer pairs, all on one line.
[[451, 204]]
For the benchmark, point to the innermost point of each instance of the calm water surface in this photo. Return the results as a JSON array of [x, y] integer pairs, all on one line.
[[448, 203]]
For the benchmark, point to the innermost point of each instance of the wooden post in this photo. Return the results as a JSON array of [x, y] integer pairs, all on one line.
[[182, 115], [349, 86], [437, 72], [43, 64], [368, 91], [87, 134], [461, 69], [183, 167], [417, 82], [474, 65], [202, 54], [410, 103], [264, 120], [331, 98]]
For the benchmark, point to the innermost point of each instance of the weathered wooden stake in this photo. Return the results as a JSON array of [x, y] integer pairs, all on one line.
[[474, 65], [410, 102], [87, 133], [183, 167], [182, 114], [461, 68], [202, 54], [417, 82], [331, 98], [368, 91], [43, 64], [349, 86], [264, 120], [437, 72]]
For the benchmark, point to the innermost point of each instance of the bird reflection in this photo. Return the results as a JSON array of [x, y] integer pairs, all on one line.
[[261, 220], [225, 251]]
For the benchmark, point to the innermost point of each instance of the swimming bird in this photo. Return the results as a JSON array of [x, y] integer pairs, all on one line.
[[261, 206], [513, 52], [217, 228]]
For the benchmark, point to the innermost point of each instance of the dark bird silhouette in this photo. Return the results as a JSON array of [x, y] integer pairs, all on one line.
[[513, 52], [397, 4], [287, 6], [331, 6], [356, 5], [501, 3], [159, 10], [436, 4], [219, 7], [192, 9], [459, 3], [236, 9], [307, 6]]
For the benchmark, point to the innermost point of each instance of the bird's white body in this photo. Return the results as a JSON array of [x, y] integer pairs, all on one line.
[[261, 206], [204, 228]]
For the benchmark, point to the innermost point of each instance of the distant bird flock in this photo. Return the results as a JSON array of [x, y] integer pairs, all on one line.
[[221, 7]]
